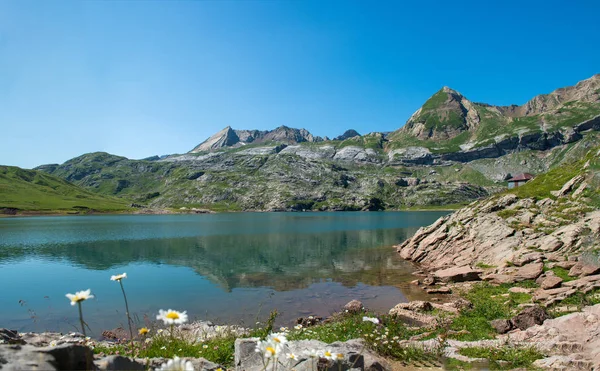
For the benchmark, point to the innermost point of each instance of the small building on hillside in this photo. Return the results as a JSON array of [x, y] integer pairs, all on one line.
[[519, 180]]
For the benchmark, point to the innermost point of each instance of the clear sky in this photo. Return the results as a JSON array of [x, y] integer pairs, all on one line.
[[139, 78]]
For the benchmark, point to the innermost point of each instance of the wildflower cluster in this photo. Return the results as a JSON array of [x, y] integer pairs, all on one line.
[[276, 353], [169, 317]]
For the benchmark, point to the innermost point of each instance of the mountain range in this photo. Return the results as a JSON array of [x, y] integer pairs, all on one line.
[[449, 152]]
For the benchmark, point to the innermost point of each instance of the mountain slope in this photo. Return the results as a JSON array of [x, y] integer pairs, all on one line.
[[451, 151], [448, 122], [30, 190]]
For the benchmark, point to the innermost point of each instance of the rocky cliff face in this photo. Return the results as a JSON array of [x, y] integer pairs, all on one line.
[[230, 138], [512, 237], [587, 91]]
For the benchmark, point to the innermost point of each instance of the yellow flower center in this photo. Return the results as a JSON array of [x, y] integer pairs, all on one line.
[[144, 331], [271, 350], [340, 355], [327, 354], [277, 340], [172, 315]]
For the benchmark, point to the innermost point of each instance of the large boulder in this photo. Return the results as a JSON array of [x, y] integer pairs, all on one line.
[[501, 326], [25, 358], [70, 356], [581, 269], [355, 356], [10, 337], [457, 274], [528, 272], [120, 363], [529, 317], [354, 306], [551, 282]]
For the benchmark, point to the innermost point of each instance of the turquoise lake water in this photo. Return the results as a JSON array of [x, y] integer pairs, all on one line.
[[228, 268]]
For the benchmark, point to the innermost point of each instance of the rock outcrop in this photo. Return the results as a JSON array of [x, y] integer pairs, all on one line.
[[483, 234], [230, 138]]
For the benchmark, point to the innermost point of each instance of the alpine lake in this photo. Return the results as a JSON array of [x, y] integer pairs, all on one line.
[[231, 268]]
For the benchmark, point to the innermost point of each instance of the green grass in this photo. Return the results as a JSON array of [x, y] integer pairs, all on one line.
[[436, 100], [506, 357], [36, 191], [382, 338], [507, 213], [562, 273], [488, 305]]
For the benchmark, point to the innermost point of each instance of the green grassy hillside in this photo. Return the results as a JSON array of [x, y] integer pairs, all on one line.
[[24, 191]]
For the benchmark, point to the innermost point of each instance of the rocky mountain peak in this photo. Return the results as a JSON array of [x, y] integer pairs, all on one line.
[[231, 138], [443, 116], [351, 133]]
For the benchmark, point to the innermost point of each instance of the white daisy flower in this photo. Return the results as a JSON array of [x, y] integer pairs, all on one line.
[[278, 339], [118, 277], [170, 317], [80, 296], [291, 356], [267, 349], [371, 319], [327, 354], [177, 364], [298, 327]]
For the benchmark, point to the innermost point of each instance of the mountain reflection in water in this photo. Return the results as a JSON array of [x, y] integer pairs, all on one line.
[[303, 257]]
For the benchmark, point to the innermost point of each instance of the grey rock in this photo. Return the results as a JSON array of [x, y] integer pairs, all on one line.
[[354, 306], [356, 356], [70, 356], [10, 337], [25, 358], [568, 187], [502, 326]]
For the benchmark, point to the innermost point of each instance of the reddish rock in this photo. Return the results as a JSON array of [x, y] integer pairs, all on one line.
[[458, 274], [439, 290], [566, 264], [581, 270], [529, 272], [551, 282]]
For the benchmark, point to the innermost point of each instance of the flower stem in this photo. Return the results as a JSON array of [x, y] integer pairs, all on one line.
[[127, 311], [81, 318]]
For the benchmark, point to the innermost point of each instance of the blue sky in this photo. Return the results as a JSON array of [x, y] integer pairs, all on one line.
[[139, 78]]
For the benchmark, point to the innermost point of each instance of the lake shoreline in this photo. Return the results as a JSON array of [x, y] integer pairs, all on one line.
[[37, 213]]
